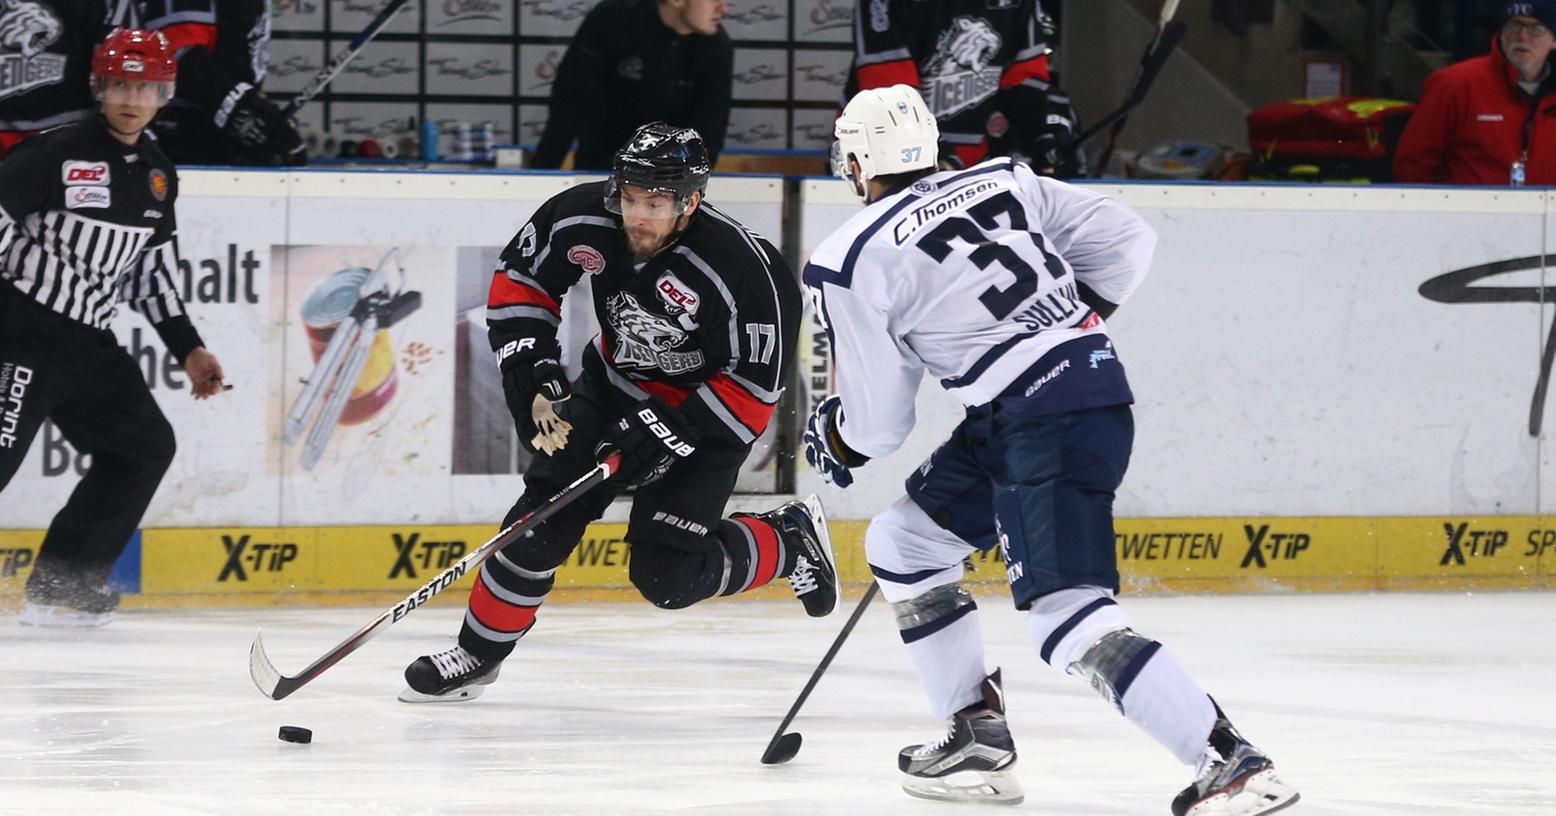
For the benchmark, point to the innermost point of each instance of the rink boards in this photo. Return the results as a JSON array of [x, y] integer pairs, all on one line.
[[1336, 388], [264, 566]]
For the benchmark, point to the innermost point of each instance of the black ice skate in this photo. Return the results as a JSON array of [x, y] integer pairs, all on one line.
[[803, 527], [57, 598], [454, 676], [1234, 779], [972, 762]]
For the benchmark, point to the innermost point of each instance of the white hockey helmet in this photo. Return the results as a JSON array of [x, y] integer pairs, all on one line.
[[886, 130]]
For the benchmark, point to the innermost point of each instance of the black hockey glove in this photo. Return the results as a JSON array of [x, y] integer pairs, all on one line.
[[260, 128], [525, 377], [1051, 153], [652, 437]]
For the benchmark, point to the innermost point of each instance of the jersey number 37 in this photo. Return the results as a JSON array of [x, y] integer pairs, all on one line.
[[974, 228]]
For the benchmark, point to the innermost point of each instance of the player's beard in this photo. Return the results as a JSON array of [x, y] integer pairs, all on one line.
[[646, 243]]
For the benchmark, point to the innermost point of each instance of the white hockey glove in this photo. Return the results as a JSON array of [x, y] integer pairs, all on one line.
[[824, 449]]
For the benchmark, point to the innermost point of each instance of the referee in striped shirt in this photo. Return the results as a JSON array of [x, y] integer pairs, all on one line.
[[86, 222]]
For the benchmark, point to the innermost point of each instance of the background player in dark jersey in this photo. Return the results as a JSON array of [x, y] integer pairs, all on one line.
[[86, 221], [633, 62], [982, 67], [219, 115], [699, 320], [45, 55]]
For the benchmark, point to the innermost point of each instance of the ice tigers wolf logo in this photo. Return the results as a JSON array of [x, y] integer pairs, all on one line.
[[960, 73], [646, 341], [26, 29]]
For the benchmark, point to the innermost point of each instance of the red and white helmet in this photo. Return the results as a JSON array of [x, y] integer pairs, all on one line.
[[134, 53]]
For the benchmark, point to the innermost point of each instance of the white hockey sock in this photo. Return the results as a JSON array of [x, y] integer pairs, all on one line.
[[1165, 702], [949, 663], [1082, 631]]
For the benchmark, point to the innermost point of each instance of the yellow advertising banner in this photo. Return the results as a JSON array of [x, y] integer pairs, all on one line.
[[1241, 554], [18, 551], [229, 560]]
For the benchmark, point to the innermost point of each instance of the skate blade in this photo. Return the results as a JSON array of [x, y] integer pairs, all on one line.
[[459, 695], [62, 616], [984, 787], [1256, 794]]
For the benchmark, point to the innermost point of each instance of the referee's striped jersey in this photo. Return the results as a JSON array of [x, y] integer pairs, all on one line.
[[86, 222]]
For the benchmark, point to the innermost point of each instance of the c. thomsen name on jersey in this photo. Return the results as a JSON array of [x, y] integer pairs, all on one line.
[[915, 220]]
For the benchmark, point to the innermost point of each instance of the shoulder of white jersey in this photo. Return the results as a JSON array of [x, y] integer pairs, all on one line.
[[839, 253]]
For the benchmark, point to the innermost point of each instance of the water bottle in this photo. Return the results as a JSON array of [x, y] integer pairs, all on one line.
[[429, 139]]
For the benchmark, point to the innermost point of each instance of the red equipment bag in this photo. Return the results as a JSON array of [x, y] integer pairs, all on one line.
[[1332, 138]]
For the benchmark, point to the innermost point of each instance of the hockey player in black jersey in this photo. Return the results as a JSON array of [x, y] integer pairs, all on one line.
[[86, 222], [699, 320], [219, 114], [45, 56], [982, 67]]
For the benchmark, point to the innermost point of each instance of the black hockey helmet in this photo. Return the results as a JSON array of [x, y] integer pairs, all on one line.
[[662, 158]]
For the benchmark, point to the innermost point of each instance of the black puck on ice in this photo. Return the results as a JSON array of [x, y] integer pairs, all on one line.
[[292, 733]]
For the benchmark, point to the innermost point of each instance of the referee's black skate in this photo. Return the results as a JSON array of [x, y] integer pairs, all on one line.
[[1234, 779], [58, 597], [454, 676], [973, 761], [803, 527]]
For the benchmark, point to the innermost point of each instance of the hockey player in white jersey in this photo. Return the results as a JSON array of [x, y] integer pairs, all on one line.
[[997, 283]]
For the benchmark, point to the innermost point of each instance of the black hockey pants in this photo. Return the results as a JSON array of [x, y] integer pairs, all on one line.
[[56, 368]]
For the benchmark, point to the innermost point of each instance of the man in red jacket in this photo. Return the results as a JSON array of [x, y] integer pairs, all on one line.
[[1490, 119]]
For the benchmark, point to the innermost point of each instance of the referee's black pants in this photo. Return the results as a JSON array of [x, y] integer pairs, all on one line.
[[57, 368]]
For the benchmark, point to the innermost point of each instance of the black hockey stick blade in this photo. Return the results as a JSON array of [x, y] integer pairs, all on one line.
[[338, 63], [782, 749], [276, 686], [783, 746]]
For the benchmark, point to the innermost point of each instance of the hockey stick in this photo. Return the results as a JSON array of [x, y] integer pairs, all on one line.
[[275, 685], [1168, 34], [783, 747], [335, 65]]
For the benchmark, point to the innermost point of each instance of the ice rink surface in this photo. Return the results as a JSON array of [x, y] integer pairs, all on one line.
[[1371, 705]]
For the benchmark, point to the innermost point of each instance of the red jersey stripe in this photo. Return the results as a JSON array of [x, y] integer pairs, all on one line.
[[752, 412], [506, 291], [671, 394], [1015, 74], [184, 35], [887, 74]]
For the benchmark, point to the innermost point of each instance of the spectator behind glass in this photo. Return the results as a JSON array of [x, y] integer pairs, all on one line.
[[1489, 119], [633, 62]]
